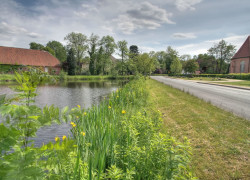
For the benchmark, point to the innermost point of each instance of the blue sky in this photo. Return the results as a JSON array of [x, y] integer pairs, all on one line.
[[189, 26]]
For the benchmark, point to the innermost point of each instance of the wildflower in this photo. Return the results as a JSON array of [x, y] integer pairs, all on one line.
[[83, 133], [64, 137], [123, 111], [73, 124], [84, 113], [77, 117], [79, 106], [57, 138], [117, 96], [74, 145], [109, 107]]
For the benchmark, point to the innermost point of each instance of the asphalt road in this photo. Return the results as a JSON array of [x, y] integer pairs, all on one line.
[[230, 99]]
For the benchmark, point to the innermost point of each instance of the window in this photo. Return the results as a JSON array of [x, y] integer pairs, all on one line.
[[46, 69], [242, 66]]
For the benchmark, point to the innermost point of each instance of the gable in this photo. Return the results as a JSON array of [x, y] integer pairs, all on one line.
[[244, 50]]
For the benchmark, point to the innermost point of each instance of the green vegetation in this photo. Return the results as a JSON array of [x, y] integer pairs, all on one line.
[[7, 77], [120, 139], [220, 140], [243, 76], [202, 78], [237, 83]]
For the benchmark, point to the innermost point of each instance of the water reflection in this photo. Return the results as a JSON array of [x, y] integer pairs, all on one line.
[[68, 94]]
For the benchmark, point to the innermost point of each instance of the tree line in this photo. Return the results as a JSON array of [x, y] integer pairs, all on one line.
[[93, 56]]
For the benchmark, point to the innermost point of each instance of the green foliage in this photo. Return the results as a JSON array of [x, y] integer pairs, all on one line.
[[92, 50], [71, 62], [176, 66], [223, 52], [119, 139], [77, 42], [171, 55], [38, 46], [59, 49], [190, 66], [243, 76], [6, 68]]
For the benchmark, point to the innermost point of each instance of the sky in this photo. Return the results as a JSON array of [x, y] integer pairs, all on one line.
[[189, 26]]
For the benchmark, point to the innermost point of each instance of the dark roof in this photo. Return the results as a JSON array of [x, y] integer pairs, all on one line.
[[244, 50], [19, 56]]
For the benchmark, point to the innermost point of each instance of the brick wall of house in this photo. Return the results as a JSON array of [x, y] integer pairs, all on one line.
[[236, 65]]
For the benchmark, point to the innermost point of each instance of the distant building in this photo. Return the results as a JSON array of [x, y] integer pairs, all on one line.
[[29, 57], [240, 62]]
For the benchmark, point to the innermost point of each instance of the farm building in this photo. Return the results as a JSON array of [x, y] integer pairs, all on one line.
[[18, 57], [240, 62]]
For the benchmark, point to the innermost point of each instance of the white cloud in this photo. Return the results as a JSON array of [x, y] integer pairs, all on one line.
[[183, 5], [7, 30], [184, 35], [202, 47], [143, 16]]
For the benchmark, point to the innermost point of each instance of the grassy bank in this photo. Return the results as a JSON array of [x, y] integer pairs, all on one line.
[[220, 140], [119, 139], [97, 77]]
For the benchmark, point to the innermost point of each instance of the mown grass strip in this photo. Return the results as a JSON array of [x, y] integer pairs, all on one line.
[[220, 140], [238, 83]]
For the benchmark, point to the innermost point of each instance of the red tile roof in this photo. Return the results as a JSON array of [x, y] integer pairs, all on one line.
[[19, 56], [244, 50]]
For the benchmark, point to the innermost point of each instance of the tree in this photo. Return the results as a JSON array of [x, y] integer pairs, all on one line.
[[71, 60], [171, 55], [59, 49], [37, 46], [207, 63], [108, 48], [190, 66], [134, 49], [223, 52], [93, 42], [122, 46], [78, 42], [176, 66]]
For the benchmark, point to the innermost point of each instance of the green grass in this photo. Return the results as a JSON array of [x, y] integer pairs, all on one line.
[[220, 140], [7, 77], [203, 78], [237, 83], [96, 77]]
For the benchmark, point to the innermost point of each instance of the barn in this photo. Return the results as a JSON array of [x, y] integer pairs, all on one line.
[[240, 62], [29, 57]]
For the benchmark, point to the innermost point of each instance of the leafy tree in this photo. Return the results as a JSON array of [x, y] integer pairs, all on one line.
[[71, 62], [190, 66], [59, 49], [207, 63], [37, 46], [176, 66], [171, 55], [223, 52], [108, 46], [133, 49], [123, 48], [78, 42], [93, 42]]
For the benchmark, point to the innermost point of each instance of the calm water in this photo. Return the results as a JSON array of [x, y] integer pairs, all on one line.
[[69, 94]]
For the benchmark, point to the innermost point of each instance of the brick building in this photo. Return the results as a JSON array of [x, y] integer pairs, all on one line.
[[29, 57], [240, 62]]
